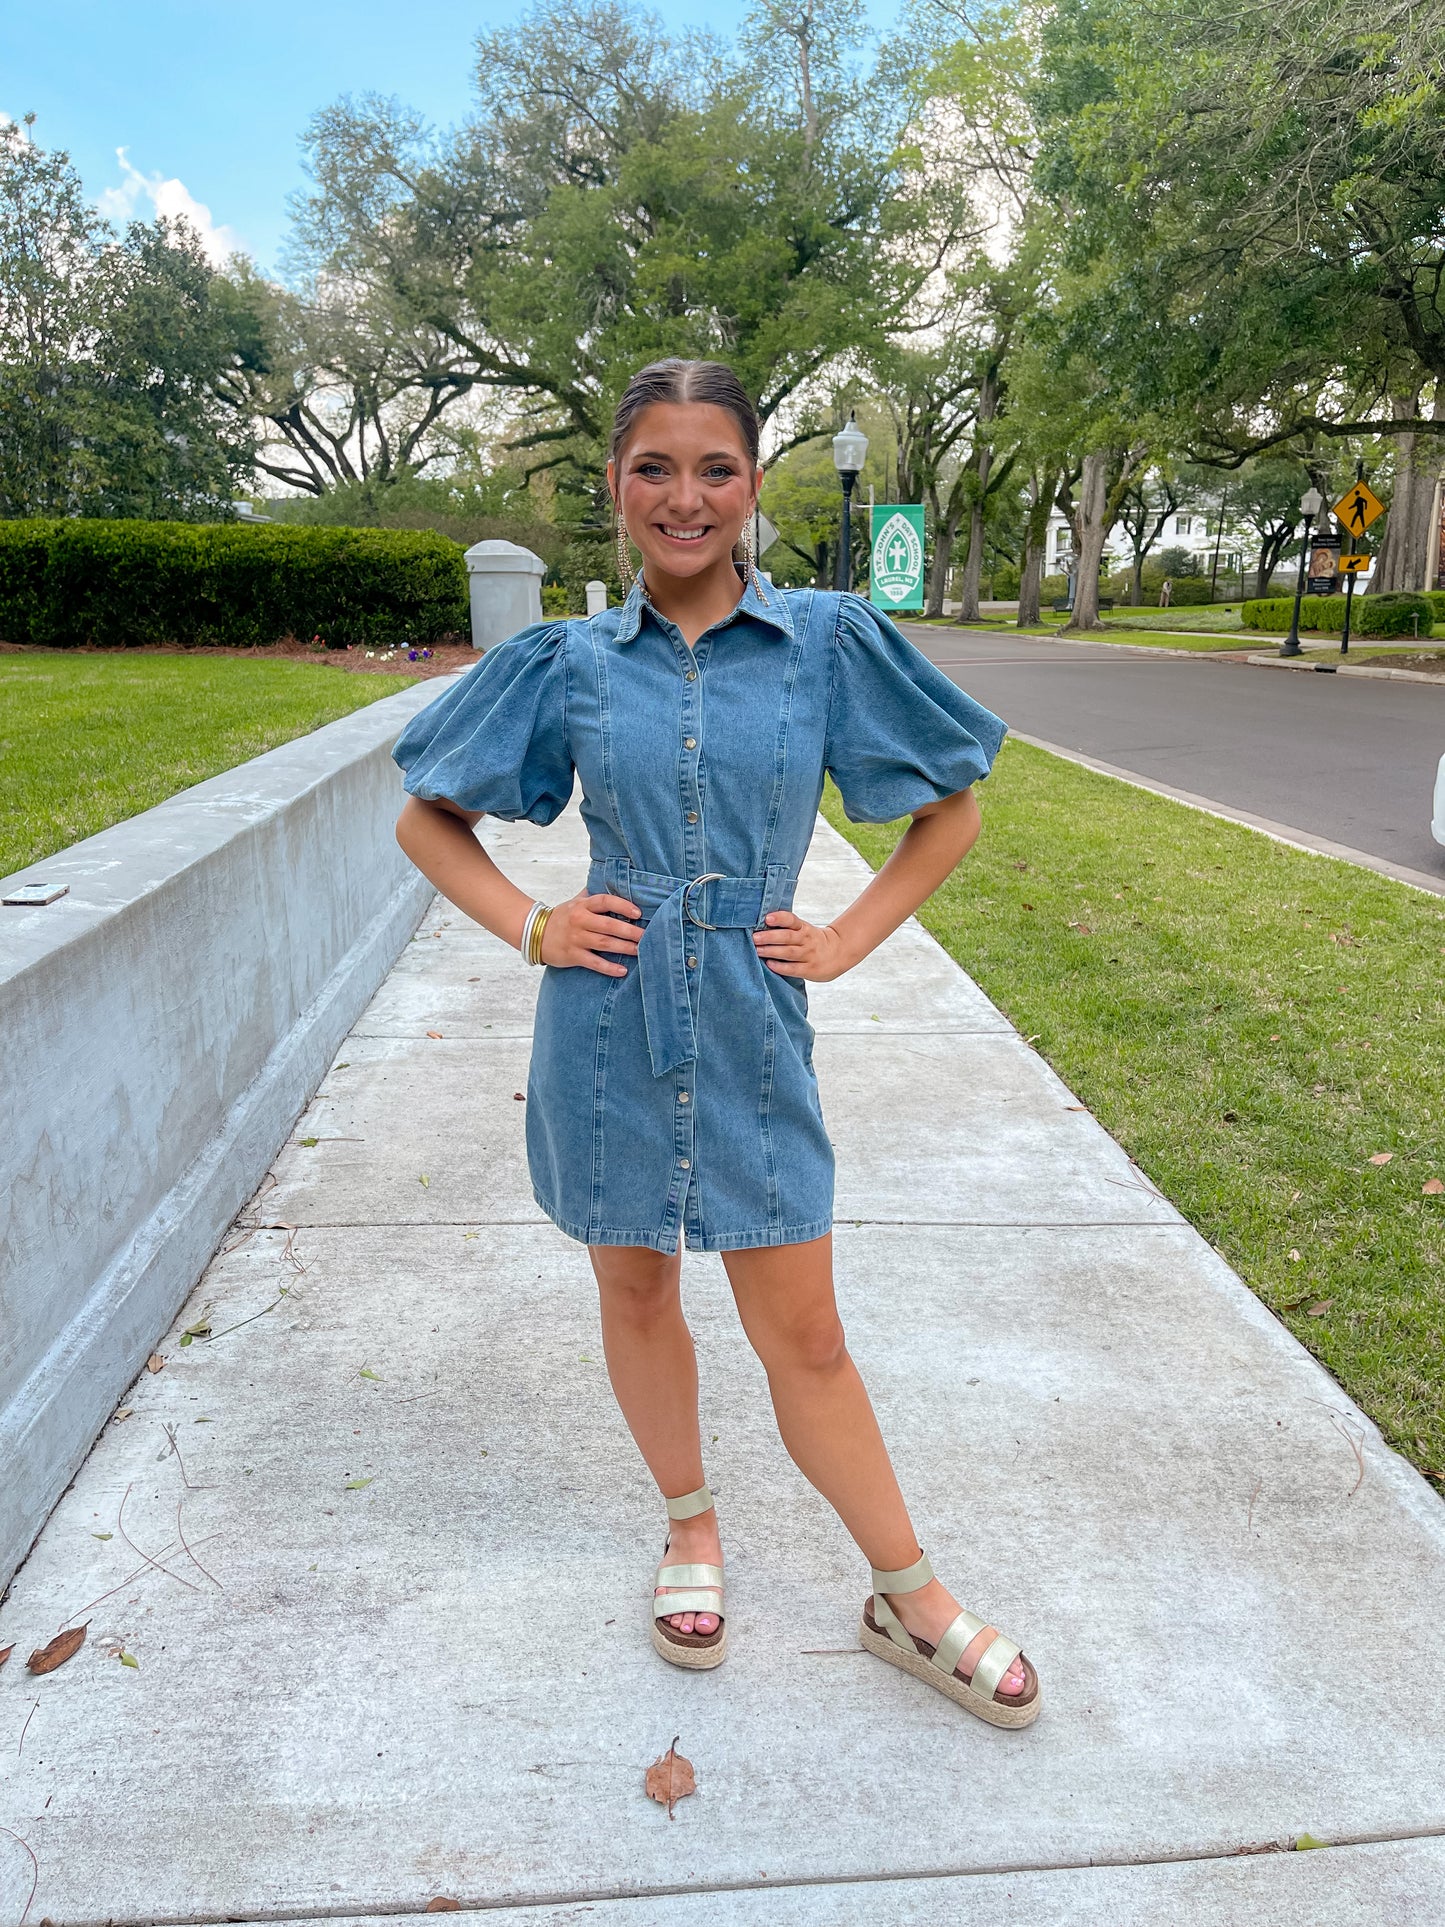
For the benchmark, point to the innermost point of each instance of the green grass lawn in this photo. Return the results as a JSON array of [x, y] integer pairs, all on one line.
[[1207, 619], [1254, 1025], [86, 740], [1149, 638]]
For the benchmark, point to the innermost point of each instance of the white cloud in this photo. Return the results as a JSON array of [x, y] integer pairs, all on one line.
[[172, 198]]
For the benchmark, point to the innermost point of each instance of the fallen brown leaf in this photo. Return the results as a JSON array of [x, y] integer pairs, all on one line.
[[64, 1646], [1382, 1157], [443, 1904], [519, 1097], [155, 1363], [670, 1778], [119, 1418], [1431, 1188], [433, 1033], [5, 1652], [1318, 1308]]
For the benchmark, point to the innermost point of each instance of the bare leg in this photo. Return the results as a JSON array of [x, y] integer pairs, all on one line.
[[785, 1299], [653, 1369]]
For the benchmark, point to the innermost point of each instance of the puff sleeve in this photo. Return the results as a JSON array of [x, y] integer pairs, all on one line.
[[900, 734], [496, 741]]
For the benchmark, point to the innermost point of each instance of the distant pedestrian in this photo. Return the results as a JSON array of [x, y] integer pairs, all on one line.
[[671, 1098], [1166, 593]]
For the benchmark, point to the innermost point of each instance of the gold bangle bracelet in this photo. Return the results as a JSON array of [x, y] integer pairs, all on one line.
[[538, 927]]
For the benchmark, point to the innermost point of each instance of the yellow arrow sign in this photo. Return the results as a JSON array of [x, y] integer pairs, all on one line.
[[1353, 564], [1358, 507]]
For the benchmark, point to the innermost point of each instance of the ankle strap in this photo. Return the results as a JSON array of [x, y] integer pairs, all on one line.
[[690, 1504], [903, 1578]]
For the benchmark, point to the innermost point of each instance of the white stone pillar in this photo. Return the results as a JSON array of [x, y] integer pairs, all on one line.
[[596, 598], [506, 590]]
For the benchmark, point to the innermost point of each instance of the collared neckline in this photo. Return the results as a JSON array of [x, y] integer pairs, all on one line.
[[765, 602]]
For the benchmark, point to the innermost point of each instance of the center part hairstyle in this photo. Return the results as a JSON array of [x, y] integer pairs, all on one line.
[[676, 380]]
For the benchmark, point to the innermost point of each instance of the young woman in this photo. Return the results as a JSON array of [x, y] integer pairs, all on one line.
[[671, 1098]]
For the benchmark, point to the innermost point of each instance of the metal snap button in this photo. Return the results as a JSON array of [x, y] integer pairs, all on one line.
[[682, 1097], [689, 742], [683, 1164]]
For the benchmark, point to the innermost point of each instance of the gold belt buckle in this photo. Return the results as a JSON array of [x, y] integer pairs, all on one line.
[[708, 877]]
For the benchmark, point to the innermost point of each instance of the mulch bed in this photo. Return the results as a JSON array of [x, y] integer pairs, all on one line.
[[442, 659]]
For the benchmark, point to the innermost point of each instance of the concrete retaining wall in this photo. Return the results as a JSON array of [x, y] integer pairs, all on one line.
[[161, 1028]]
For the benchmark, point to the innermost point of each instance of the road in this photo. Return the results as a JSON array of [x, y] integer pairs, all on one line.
[[1345, 758]]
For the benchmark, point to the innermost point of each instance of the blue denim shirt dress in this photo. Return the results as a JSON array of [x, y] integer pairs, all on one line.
[[681, 1098]]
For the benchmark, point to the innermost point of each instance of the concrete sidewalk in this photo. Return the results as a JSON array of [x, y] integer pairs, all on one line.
[[407, 1654]]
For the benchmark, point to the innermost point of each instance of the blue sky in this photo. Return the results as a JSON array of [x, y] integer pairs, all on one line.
[[208, 101]]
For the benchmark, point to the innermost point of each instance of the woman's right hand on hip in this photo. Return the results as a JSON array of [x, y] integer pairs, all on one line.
[[582, 926]]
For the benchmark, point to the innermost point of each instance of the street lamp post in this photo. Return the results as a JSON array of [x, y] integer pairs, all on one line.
[[850, 451], [1311, 502]]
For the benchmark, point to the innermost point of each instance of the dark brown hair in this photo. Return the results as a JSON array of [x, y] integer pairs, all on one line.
[[675, 380]]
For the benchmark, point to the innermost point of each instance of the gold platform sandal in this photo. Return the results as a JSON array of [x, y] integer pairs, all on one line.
[[884, 1633], [696, 1651]]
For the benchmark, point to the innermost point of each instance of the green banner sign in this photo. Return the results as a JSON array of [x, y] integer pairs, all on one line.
[[896, 578]]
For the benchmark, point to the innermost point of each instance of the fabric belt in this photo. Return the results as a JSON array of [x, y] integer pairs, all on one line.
[[669, 905]]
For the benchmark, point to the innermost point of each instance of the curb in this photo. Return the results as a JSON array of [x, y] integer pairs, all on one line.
[[1297, 839], [1345, 669]]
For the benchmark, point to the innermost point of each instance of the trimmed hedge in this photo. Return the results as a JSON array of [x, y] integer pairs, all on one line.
[[1374, 615], [1189, 592], [120, 584]]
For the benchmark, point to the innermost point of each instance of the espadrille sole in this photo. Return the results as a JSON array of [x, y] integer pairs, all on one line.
[[997, 1712], [695, 1659]]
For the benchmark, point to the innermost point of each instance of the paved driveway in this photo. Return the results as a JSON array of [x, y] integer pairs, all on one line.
[[1346, 758]]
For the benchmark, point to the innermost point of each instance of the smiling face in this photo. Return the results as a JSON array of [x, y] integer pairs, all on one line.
[[685, 485]]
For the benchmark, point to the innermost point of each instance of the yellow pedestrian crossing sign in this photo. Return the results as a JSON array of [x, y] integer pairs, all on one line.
[[1358, 507]]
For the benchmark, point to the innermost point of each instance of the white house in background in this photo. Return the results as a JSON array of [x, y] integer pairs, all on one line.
[[1191, 529]]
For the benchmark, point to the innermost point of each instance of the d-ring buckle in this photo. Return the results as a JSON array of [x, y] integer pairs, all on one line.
[[708, 877]]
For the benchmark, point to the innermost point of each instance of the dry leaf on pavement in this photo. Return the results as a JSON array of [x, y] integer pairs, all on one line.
[[155, 1363], [5, 1652], [64, 1646], [671, 1778], [443, 1904]]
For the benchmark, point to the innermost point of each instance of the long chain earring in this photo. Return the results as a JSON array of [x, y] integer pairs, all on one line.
[[624, 560], [750, 573]]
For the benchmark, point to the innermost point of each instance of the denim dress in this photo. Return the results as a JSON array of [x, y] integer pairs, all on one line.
[[680, 1099]]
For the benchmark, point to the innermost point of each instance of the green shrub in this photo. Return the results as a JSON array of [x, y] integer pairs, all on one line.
[[1189, 591], [1383, 615], [1400, 614], [119, 583], [1273, 613], [1436, 600], [555, 600]]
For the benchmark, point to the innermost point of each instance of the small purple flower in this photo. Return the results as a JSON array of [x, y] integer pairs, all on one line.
[[411, 655]]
